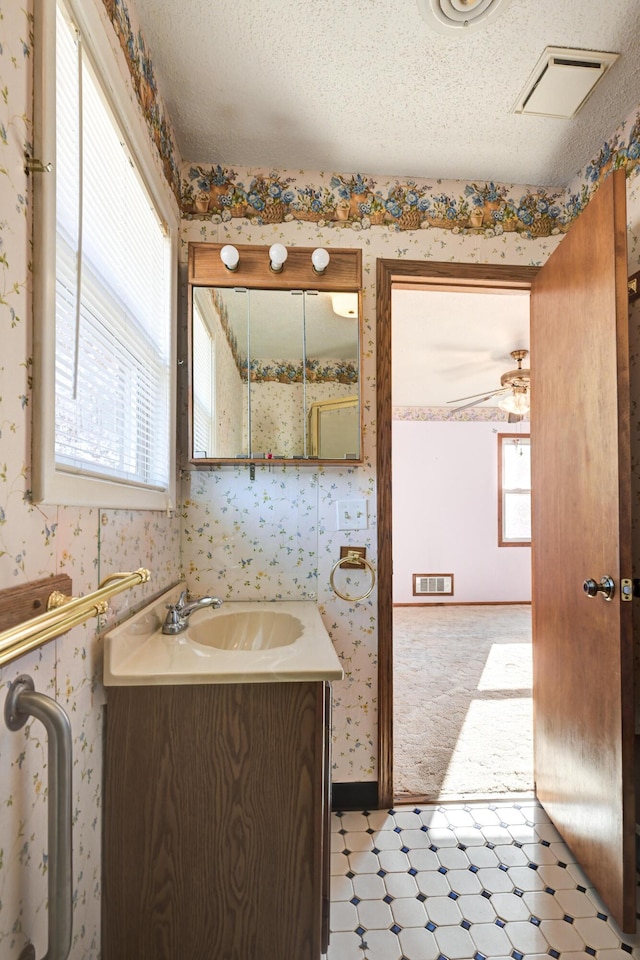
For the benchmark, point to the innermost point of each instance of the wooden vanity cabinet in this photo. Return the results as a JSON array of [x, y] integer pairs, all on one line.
[[216, 819]]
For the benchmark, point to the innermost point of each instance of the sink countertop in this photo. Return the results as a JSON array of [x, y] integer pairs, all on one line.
[[137, 653]]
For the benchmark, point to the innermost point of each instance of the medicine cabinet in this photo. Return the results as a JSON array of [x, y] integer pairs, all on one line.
[[274, 356]]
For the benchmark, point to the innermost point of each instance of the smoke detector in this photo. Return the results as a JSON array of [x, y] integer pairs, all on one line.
[[447, 16]]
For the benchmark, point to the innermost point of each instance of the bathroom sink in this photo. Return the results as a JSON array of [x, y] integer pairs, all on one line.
[[244, 641], [254, 630]]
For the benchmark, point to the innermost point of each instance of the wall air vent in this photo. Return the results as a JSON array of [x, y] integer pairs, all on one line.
[[562, 81], [432, 584]]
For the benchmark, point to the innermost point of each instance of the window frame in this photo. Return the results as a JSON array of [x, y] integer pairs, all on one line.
[[52, 484], [502, 542]]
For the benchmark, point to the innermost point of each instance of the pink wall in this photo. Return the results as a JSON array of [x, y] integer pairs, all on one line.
[[445, 513]]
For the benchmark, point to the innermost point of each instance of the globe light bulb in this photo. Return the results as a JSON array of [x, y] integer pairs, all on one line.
[[320, 259], [230, 257], [277, 256], [516, 402]]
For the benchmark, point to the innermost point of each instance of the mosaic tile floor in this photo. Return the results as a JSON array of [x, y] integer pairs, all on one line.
[[463, 882]]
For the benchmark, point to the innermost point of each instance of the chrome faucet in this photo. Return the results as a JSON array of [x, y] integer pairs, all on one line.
[[178, 614]]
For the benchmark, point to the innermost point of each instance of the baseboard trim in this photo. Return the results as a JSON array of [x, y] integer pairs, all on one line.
[[468, 603], [362, 795]]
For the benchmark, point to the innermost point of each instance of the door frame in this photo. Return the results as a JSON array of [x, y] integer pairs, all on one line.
[[461, 277]]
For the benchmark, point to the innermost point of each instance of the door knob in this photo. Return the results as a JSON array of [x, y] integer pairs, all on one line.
[[606, 587]]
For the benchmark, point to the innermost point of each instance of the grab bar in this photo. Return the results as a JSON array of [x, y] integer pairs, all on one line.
[[23, 702]]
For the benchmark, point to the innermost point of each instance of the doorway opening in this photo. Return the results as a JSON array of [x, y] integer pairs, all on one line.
[[440, 278], [461, 502], [584, 693]]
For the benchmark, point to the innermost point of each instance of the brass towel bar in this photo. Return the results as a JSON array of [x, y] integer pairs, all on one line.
[[65, 613]]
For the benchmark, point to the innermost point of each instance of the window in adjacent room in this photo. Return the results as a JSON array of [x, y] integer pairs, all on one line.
[[514, 489], [107, 326]]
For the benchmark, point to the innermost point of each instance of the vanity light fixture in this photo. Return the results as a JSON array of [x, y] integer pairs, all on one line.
[[230, 257], [320, 260], [277, 257]]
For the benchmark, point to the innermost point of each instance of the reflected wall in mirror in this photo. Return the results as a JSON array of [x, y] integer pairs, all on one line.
[[275, 370], [334, 427]]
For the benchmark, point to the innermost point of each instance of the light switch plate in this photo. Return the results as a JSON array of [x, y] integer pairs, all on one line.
[[352, 515]]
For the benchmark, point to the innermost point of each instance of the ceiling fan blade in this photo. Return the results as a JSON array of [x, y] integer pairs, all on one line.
[[474, 395], [474, 403]]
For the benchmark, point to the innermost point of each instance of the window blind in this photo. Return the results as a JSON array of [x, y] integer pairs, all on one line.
[[112, 256]]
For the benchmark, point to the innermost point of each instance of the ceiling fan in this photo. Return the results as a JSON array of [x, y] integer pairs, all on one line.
[[514, 390]]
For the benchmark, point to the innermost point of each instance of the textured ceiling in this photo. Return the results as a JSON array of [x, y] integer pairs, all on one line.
[[447, 346], [368, 86], [273, 321]]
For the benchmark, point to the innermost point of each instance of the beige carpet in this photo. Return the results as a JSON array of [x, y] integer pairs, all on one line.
[[462, 701]]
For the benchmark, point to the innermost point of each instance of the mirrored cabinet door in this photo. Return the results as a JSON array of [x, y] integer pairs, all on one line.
[[277, 391], [332, 363], [220, 361]]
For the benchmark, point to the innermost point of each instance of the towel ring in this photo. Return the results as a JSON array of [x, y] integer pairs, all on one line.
[[352, 557]]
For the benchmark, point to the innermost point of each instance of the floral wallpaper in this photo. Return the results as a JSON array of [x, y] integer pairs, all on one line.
[[37, 541], [277, 413], [27, 536], [274, 537], [251, 540]]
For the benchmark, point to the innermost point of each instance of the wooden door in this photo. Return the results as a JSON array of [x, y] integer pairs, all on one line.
[[583, 657]]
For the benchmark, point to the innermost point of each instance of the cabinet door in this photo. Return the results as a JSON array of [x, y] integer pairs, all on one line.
[[213, 830]]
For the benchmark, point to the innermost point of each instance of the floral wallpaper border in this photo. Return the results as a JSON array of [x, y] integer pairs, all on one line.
[[215, 193], [286, 371], [146, 89], [479, 414], [360, 202]]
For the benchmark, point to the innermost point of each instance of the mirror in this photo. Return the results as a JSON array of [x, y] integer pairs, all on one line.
[[275, 372]]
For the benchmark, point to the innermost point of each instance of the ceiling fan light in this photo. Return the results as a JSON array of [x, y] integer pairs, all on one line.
[[516, 402], [345, 304]]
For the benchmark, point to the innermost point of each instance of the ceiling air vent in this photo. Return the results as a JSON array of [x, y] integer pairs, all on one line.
[[432, 584], [561, 82]]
